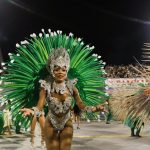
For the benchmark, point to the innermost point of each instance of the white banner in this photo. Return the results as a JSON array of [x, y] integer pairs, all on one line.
[[119, 82]]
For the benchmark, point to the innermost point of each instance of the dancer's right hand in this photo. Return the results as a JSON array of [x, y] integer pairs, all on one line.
[[27, 111]]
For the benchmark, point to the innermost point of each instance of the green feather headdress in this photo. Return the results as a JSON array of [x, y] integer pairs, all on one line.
[[25, 68]]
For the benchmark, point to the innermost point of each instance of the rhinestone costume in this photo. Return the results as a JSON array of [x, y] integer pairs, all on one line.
[[59, 112]]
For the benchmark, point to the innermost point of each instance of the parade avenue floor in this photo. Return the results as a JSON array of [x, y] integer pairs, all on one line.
[[90, 136]]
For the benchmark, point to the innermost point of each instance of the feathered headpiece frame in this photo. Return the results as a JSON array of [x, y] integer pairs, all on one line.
[[24, 70]]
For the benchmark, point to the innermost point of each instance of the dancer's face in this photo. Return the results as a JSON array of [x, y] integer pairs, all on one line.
[[60, 73]]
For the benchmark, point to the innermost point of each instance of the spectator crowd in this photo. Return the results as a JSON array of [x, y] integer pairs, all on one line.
[[125, 71]]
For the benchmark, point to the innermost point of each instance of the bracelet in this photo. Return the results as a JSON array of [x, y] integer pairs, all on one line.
[[37, 112]]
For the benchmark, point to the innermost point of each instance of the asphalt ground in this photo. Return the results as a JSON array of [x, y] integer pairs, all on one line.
[[91, 136]]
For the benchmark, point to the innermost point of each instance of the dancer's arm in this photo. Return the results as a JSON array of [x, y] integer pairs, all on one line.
[[76, 96], [39, 107], [79, 102], [41, 101]]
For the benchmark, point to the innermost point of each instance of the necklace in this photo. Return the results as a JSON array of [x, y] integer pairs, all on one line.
[[59, 87]]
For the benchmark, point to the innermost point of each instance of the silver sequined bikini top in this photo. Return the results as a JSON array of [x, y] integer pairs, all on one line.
[[59, 107], [55, 105]]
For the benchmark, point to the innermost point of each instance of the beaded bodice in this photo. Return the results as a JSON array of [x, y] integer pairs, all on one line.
[[55, 105], [59, 111]]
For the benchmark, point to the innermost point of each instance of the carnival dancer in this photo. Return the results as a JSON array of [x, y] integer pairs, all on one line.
[[108, 112], [58, 128], [134, 126], [66, 72], [39, 117], [7, 118], [77, 115], [132, 109]]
